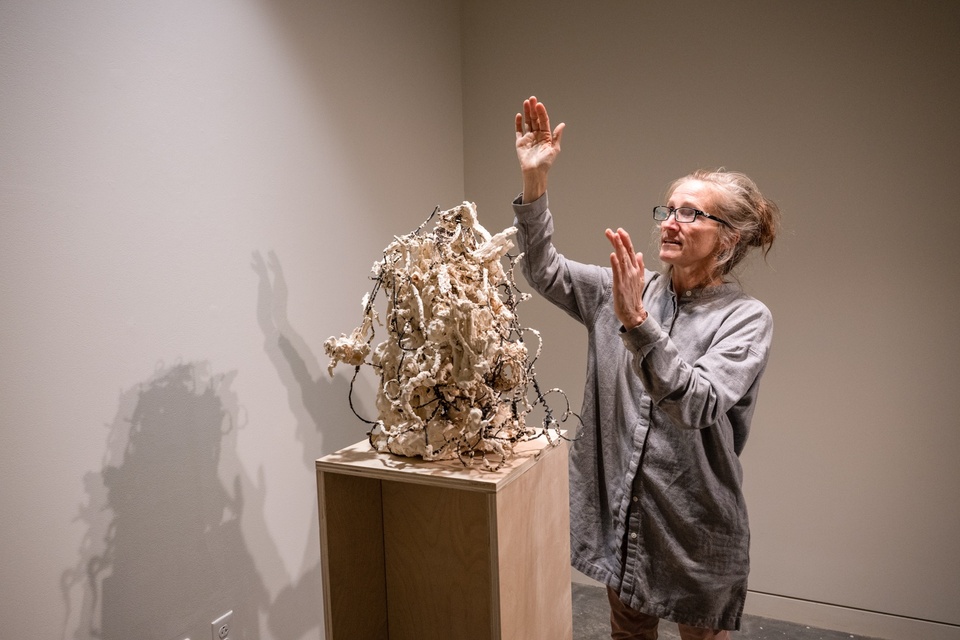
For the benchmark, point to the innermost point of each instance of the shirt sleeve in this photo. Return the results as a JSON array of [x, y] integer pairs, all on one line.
[[698, 394], [576, 288]]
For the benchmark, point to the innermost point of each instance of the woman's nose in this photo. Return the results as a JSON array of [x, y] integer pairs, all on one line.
[[671, 221]]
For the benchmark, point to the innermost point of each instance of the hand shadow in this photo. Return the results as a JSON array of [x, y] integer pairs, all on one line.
[[325, 423], [320, 404]]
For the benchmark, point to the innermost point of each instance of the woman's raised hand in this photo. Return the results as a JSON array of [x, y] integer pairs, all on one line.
[[537, 147]]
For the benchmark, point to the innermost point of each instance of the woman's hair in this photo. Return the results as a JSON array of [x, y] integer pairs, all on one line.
[[754, 220]]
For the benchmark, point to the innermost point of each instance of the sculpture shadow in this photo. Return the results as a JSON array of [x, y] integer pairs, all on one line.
[[164, 550]]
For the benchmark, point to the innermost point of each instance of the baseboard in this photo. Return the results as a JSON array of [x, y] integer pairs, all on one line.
[[579, 578], [847, 620], [836, 618]]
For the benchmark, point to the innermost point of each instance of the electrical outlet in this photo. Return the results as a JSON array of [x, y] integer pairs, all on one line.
[[222, 626]]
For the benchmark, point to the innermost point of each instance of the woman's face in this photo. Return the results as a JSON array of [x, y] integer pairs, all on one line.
[[690, 245]]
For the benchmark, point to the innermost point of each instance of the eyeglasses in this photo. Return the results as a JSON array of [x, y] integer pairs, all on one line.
[[683, 214]]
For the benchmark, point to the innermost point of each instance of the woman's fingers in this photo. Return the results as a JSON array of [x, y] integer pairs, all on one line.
[[635, 258], [534, 119], [623, 248], [615, 241], [542, 120], [557, 133], [535, 116], [627, 268], [527, 121], [625, 238], [529, 114], [627, 242]]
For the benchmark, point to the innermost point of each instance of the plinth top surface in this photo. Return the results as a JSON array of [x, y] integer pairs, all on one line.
[[361, 459]]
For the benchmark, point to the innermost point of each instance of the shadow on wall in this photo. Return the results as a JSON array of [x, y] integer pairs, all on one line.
[[164, 548], [170, 514], [325, 424]]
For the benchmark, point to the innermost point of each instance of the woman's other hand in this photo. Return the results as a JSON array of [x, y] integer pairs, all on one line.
[[628, 280]]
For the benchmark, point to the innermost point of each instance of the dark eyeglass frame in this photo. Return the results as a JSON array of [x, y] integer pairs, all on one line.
[[662, 213]]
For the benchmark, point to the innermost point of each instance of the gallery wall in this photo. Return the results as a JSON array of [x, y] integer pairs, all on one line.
[[192, 195], [844, 113]]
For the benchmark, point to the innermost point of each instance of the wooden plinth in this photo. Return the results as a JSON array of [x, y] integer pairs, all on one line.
[[415, 550]]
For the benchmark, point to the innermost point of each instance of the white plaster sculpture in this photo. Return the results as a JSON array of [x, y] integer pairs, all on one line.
[[454, 370]]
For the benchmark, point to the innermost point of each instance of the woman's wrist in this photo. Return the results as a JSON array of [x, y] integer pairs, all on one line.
[[638, 319], [534, 186]]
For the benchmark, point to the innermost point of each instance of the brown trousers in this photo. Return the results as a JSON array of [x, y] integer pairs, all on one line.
[[630, 624]]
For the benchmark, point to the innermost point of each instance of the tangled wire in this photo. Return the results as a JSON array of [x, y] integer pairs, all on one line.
[[455, 372]]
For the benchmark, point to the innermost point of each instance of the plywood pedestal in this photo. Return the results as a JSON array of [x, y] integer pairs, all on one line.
[[415, 550]]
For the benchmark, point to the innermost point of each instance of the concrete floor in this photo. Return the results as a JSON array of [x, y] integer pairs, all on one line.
[[591, 621]]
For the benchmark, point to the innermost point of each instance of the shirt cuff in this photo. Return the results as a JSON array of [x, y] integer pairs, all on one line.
[[537, 207], [642, 338]]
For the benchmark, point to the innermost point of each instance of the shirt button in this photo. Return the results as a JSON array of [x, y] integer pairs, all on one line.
[[688, 293], [633, 536], [636, 499]]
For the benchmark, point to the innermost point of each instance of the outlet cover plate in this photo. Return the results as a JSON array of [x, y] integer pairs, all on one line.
[[222, 626]]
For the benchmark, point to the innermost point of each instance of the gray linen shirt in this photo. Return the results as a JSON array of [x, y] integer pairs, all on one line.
[[656, 507]]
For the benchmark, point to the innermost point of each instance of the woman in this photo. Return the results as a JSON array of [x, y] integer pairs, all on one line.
[[674, 364]]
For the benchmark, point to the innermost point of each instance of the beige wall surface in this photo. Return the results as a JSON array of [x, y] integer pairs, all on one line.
[[163, 388], [845, 113]]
